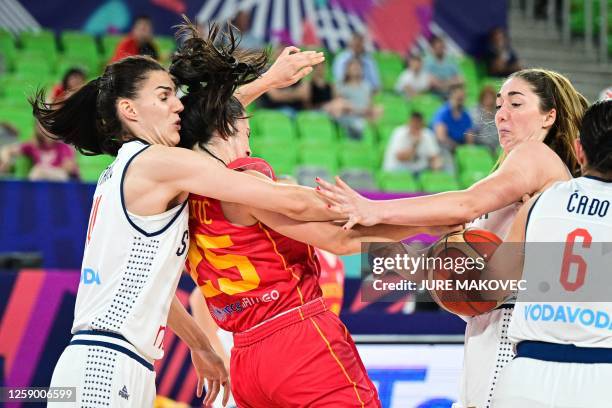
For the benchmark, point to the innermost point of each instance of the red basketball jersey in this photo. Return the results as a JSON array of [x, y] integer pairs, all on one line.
[[247, 273]]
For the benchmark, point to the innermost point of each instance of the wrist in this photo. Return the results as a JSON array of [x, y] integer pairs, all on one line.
[[267, 81]]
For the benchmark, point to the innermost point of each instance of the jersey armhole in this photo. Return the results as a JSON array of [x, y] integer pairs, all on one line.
[[529, 215], [125, 211]]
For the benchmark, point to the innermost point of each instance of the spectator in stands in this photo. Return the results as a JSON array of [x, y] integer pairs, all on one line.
[[357, 51], [500, 58], [321, 94], [412, 148], [73, 79], [139, 41], [483, 116], [242, 21], [358, 92], [414, 80], [452, 125], [51, 160], [605, 94], [443, 71]]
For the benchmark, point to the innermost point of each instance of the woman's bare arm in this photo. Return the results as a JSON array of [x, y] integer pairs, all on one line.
[[160, 174], [528, 169]]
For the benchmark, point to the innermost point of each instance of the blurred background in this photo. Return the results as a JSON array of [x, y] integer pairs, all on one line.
[[377, 112]]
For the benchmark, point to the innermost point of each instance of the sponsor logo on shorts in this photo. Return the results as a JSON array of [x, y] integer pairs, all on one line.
[[123, 393], [90, 277], [222, 313]]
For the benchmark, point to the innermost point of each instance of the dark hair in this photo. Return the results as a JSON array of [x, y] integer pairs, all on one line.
[[416, 115], [88, 119], [556, 92], [72, 71], [212, 68], [596, 136], [142, 17]]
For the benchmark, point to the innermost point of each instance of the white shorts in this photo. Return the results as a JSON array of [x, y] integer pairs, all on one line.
[[106, 370], [530, 383], [487, 350]]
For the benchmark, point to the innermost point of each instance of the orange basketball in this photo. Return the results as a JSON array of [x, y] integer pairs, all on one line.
[[475, 244]]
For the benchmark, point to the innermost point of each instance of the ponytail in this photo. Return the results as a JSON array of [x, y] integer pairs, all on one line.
[[88, 118]]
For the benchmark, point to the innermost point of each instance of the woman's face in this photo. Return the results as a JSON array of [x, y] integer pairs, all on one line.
[[239, 142], [518, 117], [155, 110]]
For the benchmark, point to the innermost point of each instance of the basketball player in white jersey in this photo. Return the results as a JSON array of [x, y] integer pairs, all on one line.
[[137, 236], [564, 348], [538, 116]]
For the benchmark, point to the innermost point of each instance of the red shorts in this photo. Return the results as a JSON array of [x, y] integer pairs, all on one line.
[[304, 358]]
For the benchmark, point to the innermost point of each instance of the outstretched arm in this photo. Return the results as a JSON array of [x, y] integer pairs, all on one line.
[[529, 168], [290, 66], [188, 171]]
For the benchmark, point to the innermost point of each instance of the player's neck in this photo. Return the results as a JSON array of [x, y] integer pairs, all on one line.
[[221, 152], [597, 174]]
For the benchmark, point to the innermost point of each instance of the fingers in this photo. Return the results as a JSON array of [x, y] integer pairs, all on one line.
[[301, 74], [350, 223], [199, 386], [212, 392], [226, 393], [289, 50]]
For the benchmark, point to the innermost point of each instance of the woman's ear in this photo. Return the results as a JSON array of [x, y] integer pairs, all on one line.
[[580, 155], [125, 108], [549, 119]]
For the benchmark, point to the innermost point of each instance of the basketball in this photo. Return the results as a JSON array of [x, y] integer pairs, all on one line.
[[458, 248]]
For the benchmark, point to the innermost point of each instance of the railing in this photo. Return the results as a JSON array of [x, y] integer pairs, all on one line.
[[558, 18]]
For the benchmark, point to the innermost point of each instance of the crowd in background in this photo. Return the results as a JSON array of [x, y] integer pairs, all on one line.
[[344, 88]]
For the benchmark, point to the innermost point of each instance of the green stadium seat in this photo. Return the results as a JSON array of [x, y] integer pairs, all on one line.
[[437, 181], [427, 105], [390, 66], [33, 66], [282, 159], [395, 108], [81, 49], [369, 137], [166, 46], [273, 125], [469, 177], [397, 181], [473, 158], [358, 156], [315, 128], [22, 167], [21, 119], [90, 167], [323, 156], [39, 43], [8, 49], [109, 44]]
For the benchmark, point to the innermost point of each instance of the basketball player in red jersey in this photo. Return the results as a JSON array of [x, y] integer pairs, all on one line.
[[260, 282]]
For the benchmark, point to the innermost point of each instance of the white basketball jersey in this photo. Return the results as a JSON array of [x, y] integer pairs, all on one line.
[[498, 221], [131, 265], [568, 283]]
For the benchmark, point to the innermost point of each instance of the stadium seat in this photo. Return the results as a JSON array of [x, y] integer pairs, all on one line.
[[369, 137], [166, 46], [358, 156], [395, 109], [390, 66], [315, 128], [20, 118], [109, 44], [81, 49], [322, 156], [282, 159], [437, 181], [360, 179], [40, 43], [473, 158], [273, 125], [8, 49], [397, 181], [90, 167], [426, 104], [469, 177]]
